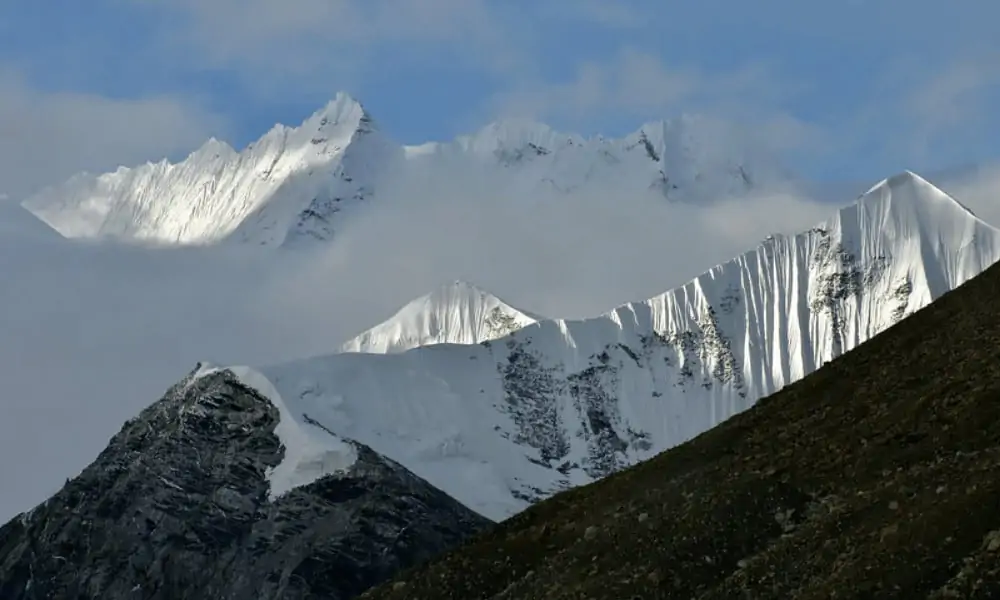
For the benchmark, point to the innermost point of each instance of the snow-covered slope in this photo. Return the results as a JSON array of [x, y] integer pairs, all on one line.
[[689, 158], [18, 223], [559, 403], [456, 313], [285, 186], [309, 453], [290, 185]]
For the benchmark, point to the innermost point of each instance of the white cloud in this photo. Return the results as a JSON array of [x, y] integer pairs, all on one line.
[[977, 187], [317, 42], [639, 86], [632, 82], [99, 331], [46, 137], [956, 101], [923, 115], [568, 255]]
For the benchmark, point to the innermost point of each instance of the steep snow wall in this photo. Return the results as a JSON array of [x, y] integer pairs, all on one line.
[[559, 403]]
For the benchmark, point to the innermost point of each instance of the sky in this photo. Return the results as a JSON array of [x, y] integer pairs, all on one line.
[[850, 89]]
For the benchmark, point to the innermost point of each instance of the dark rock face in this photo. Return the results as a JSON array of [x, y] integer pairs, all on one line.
[[177, 507]]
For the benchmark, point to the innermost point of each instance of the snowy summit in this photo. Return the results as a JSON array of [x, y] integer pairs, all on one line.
[[300, 184], [285, 186], [456, 313], [560, 403]]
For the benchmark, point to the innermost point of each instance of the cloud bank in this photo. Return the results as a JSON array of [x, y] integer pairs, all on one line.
[[48, 136], [99, 331]]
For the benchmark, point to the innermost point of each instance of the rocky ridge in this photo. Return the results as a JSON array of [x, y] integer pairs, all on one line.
[[559, 403], [177, 506]]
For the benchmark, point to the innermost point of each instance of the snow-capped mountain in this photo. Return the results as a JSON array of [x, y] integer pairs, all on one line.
[[692, 158], [297, 184], [284, 187], [559, 403], [214, 491], [455, 313]]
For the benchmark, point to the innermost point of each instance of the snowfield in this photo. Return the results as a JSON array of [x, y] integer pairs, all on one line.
[[557, 403], [297, 185], [493, 403], [455, 313]]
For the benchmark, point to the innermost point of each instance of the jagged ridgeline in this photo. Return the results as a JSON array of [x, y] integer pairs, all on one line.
[[180, 503], [558, 403], [178, 506], [875, 477], [295, 187]]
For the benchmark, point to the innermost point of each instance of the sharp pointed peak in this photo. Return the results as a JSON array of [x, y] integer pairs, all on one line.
[[906, 184], [343, 108], [463, 291], [341, 100], [908, 188], [906, 177], [516, 133], [455, 312], [900, 180], [214, 144], [457, 288]]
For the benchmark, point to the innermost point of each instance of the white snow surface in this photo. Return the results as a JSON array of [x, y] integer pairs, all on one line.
[[283, 187], [559, 403], [18, 223], [456, 313], [310, 452], [300, 184]]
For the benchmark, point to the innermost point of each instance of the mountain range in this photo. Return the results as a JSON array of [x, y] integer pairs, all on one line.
[[875, 477], [327, 475], [556, 403], [298, 185]]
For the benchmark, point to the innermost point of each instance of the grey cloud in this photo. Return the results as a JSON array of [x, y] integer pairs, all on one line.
[[46, 137], [93, 333]]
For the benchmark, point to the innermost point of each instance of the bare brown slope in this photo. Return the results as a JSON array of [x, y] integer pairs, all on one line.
[[878, 476]]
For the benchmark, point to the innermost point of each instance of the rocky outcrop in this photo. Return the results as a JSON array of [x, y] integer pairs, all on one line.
[[177, 506]]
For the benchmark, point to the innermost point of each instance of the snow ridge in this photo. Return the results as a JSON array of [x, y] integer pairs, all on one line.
[[296, 185], [559, 403], [690, 158], [282, 187], [456, 313], [310, 451]]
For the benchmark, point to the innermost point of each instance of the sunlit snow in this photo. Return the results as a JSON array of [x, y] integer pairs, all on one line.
[[564, 225], [455, 313], [754, 324], [298, 184]]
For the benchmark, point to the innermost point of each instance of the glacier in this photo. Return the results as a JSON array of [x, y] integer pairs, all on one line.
[[297, 185], [455, 313], [280, 190], [559, 403]]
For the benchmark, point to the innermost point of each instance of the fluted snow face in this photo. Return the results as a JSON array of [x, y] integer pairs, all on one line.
[[559, 403], [287, 184], [298, 185], [456, 313]]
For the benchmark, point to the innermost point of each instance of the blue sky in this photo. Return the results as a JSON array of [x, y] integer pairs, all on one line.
[[853, 89]]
